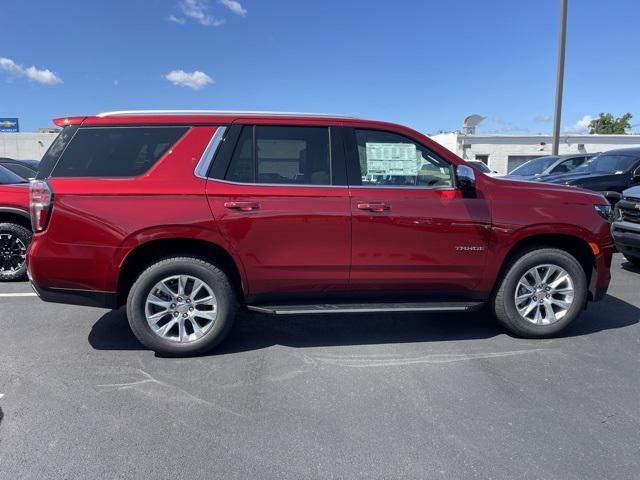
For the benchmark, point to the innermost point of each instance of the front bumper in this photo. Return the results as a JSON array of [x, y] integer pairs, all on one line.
[[626, 235]]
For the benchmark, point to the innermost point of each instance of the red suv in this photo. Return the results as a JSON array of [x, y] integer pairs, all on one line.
[[184, 216]]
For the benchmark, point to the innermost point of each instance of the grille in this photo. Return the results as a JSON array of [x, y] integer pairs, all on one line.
[[629, 210]]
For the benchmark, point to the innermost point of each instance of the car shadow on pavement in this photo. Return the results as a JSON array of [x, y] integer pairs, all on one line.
[[256, 331], [630, 267]]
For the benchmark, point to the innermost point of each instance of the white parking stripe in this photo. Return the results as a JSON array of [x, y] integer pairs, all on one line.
[[30, 294]]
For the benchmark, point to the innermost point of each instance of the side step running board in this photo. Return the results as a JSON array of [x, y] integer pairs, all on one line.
[[367, 307]]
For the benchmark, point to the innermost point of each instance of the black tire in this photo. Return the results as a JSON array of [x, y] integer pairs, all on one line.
[[503, 303], [16, 231], [634, 260], [214, 277]]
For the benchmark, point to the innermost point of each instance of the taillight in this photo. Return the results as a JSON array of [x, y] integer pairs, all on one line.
[[40, 204]]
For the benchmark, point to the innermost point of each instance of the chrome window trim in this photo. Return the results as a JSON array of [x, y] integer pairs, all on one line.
[[202, 168], [277, 184], [411, 187]]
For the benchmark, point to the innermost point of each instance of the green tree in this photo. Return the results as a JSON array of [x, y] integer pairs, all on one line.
[[608, 124]]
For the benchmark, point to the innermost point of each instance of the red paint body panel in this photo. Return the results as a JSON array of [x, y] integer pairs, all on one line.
[[412, 245], [15, 197], [287, 239], [298, 239]]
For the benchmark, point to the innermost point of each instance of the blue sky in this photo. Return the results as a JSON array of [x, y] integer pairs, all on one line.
[[426, 64]]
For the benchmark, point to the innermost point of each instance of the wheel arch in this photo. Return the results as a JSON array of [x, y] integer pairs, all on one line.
[[145, 254], [573, 244], [15, 215]]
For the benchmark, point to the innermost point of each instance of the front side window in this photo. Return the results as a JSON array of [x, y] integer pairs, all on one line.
[[387, 159], [568, 165], [116, 151], [281, 155]]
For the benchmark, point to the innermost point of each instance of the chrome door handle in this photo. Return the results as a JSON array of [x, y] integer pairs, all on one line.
[[376, 207], [242, 206]]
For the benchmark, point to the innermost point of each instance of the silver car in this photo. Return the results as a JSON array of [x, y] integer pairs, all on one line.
[[549, 165]]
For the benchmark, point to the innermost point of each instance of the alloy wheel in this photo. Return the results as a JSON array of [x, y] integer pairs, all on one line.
[[181, 308], [13, 253], [544, 294]]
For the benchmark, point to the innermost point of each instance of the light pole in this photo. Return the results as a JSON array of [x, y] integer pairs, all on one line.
[[560, 77]]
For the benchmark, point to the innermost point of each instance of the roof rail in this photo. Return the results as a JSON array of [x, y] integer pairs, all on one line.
[[220, 112]]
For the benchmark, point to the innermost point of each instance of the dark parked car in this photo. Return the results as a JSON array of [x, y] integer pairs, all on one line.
[[609, 173], [549, 165], [626, 225], [184, 217], [24, 168]]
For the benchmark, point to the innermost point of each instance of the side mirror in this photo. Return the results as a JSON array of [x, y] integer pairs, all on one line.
[[636, 176], [466, 178]]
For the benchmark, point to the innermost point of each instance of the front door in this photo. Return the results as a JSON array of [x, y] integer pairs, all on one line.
[[412, 230], [282, 203]]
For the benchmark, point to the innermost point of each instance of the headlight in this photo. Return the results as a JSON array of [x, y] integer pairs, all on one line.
[[604, 211]]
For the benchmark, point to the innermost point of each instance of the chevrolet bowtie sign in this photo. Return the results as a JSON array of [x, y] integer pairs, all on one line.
[[9, 125]]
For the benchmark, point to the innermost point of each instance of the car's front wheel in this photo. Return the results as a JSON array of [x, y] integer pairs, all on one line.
[[541, 293], [181, 306], [14, 240]]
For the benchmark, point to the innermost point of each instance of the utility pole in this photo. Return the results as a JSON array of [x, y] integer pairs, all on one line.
[[560, 76]]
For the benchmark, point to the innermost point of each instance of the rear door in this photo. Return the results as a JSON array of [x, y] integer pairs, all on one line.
[[280, 198], [412, 230]]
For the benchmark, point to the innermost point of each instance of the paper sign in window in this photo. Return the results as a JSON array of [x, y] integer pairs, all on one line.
[[392, 159]]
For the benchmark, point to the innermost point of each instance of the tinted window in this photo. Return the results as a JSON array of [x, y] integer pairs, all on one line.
[[53, 153], [7, 176], [568, 165], [607, 164], [533, 167], [116, 151], [241, 167], [391, 160], [23, 171], [282, 155]]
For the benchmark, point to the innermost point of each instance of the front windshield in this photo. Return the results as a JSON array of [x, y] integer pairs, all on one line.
[[606, 164], [7, 176], [534, 167]]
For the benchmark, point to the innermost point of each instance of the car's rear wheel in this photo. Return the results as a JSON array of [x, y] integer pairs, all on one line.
[[14, 240], [181, 306], [541, 293], [633, 260]]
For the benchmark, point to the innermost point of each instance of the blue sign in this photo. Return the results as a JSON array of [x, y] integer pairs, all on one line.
[[9, 125]]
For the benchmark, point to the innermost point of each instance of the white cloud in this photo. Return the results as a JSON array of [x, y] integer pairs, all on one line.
[[581, 126], [197, 10], [235, 7], [196, 80], [178, 20], [32, 73]]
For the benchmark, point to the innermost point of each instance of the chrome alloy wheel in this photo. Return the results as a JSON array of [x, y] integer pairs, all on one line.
[[181, 308], [544, 294], [13, 253]]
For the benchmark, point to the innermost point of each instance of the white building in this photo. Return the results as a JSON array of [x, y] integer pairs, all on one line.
[[25, 145], [503, 153]]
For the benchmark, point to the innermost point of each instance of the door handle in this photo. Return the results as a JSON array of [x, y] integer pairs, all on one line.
[[242, 206], [376, 207]]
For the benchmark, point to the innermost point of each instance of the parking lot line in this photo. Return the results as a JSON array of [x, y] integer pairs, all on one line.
[[29, 294]]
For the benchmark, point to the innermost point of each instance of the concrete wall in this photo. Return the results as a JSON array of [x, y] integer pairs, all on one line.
[[500, 147], [25, 145]]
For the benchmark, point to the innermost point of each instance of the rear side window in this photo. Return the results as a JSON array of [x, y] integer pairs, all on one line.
[[53, 153], [116, 151], [282, 155]]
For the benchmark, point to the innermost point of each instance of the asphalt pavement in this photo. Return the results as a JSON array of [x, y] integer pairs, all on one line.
[[338, 396]]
